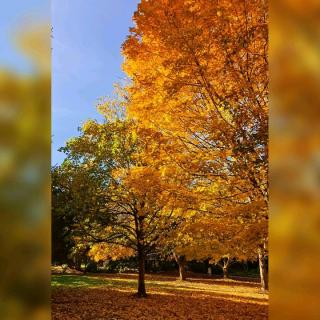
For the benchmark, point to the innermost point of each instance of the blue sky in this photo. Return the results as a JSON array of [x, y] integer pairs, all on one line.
[[86, 60]]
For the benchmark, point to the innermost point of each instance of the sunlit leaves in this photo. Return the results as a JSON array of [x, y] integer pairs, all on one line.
[[198, 72]]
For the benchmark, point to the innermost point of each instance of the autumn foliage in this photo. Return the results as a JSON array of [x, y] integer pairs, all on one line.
[[181, 160]]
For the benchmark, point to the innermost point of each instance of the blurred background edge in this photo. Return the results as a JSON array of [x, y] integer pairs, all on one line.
[[25, 96]]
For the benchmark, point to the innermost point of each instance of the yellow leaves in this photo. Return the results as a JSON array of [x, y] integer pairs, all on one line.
[[89, 126], [143, 180], [105, 251], [134, 135], [194, 7]]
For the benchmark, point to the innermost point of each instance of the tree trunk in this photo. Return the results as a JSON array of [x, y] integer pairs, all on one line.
[[182, 271], [76, 263], [141, 284], [181, 261], [225, 272], [139, 228], [263, 271]]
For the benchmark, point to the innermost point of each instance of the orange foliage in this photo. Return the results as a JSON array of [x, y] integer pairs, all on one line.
[[198, 73]]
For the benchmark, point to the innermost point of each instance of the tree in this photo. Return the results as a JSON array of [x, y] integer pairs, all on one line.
[[181, 261], [200, 69], [256, 235], [74, 201], [142, 197], [230, 248]]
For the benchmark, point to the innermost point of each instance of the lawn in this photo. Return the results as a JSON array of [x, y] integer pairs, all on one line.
[[111, 296]]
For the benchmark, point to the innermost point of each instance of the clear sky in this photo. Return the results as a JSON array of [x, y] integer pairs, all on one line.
[[86, 60]]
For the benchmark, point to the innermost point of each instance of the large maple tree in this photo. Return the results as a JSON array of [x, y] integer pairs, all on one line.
[[199, 74]]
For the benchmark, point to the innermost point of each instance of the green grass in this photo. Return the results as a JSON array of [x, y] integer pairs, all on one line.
[[76, 281]]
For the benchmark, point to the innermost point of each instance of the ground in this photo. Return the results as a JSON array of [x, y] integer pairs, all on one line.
[[111, 296]]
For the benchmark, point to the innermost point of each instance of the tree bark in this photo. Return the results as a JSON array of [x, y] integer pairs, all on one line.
[[263, 271], [224, 264], [141, 284], [139, 228], [181, 261], [76, 263], [182, 273], [225, 272]]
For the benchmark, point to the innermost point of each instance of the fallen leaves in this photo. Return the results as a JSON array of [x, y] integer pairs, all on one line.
[[166, 300]]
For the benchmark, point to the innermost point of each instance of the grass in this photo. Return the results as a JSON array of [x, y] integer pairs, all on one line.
[[76, 281]]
